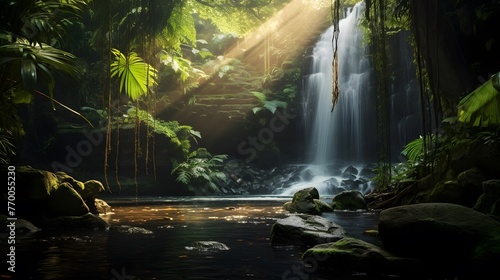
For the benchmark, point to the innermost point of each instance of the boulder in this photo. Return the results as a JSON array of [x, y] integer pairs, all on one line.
[[34, 184], [305, 201], [101, 206], [349, 256], [92, 189], [303, 229], [468, 240], [65, 178], [307, 194], [65, 201], [349, 200], [350, 172], [490, 196], [456, 193], [473, 177]]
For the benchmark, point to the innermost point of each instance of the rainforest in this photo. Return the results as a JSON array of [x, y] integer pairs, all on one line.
[[250, 139]]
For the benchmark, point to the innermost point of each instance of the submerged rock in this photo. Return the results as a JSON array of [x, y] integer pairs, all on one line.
[[208, 246], [131, 230], [350, 255], [467, 240], [87, 221], [303, 229]]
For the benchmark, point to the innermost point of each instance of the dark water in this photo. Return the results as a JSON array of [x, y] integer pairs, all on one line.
[[154, 237]]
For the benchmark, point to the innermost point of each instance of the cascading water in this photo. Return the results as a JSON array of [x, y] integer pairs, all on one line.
[[341, 145]]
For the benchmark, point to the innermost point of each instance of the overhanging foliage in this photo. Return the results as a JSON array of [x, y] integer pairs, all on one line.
[[481, 107]]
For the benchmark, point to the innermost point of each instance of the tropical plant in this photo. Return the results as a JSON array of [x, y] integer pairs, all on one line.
[[200, 169], [271, 105], [6, 147], [481, 107], [135, 76]]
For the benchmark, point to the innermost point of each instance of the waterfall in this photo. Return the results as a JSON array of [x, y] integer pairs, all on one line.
[[341, 145]]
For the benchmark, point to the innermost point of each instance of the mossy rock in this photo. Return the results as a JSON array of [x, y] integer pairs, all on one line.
[[34, 184], [92, 188], [350, 255], [490, 196], [65, 201], [322, 206], [453, 192], [349, 200], [468, 240], [65, 178], [307, 194]]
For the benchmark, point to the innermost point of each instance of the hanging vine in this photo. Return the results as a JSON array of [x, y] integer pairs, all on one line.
[[375, 15], [335, 62]]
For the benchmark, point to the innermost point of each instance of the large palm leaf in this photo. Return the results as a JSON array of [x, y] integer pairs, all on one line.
[[482, 106], [24, 65], [39, 20], [135, 75]]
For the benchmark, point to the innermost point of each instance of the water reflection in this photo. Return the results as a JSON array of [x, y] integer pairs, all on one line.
[[149, 241]]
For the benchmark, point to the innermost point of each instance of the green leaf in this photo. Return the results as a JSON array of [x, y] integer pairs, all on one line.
[[255, 110], [261, 96], [135, 75], [481, 107]]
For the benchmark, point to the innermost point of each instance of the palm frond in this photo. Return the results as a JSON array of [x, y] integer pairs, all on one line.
[[135, 75]]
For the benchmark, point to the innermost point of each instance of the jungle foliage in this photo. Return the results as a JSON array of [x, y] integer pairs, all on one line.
[[449, 117]]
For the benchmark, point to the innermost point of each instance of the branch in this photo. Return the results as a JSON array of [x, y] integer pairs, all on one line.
[[65, 107]]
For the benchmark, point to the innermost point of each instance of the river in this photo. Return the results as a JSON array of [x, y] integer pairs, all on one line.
[[152, 238]]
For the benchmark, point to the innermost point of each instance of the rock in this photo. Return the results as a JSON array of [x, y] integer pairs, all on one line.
[[87, 221], [305, 201], [303, 229], [453, 192], [490, 196], [98, 206], [367, 173], [65, 178], [208, 246], [307, 194], [22, 226], [350, 171], [34, 184], [131, 230], [92, 189], [322, 206], [349, 200], [348, 256], [468, 240], [65, 201], [473, 177]]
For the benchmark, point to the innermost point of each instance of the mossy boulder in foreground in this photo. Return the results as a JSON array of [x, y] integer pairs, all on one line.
[[349, 256], [453, 240]]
